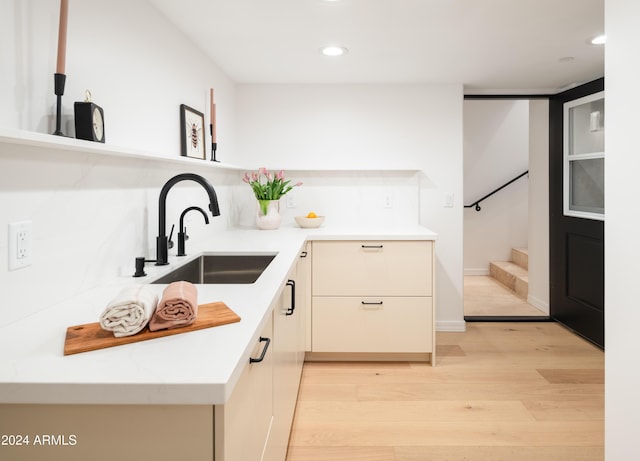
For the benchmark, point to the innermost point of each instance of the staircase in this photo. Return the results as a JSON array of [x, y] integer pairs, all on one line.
[[513, 274]]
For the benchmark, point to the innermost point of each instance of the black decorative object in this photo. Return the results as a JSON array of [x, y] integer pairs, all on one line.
[[214, 145], [89, 120], [58, 88]]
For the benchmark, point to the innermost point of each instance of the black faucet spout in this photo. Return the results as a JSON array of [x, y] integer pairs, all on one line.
[[162, 250], [182, 232]]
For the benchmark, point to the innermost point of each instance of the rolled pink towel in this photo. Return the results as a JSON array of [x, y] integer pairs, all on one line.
[[178, 307]]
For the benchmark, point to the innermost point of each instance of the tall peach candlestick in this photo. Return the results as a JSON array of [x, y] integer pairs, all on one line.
[[62, 36], [59, 78]]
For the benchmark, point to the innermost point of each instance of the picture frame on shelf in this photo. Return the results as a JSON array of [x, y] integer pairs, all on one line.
[[192, 133]]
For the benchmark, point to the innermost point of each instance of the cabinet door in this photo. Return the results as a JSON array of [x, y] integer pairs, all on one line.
[[303, 302], [350, 324], [287, 367], [243, 424], [366, 268]]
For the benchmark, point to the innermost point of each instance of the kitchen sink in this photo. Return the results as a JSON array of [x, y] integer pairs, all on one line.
[[220, 268]]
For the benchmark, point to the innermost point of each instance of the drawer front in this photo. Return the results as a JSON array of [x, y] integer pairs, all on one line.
[[372, 324], [367, 268]]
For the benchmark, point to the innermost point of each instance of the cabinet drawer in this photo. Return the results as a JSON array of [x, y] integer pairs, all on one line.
[[372, 324], [367, 268]]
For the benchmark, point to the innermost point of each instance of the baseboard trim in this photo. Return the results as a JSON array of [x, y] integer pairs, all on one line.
[[480, 271], [451, 325], [508, 318], [538, 304], [368, 357]]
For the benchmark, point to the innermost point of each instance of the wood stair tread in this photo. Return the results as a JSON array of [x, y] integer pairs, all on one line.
[[512, 275], [513, 269]]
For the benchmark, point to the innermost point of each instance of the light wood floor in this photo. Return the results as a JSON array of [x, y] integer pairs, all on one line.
[[485, 296], [499, 392]]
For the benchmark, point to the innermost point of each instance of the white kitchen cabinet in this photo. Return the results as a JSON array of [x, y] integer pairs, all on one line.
[[243, 423], [379, 325], [373, 297], [304, 298], [289, 333]]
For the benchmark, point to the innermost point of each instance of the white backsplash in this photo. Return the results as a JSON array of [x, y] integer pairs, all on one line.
[[344, 198]]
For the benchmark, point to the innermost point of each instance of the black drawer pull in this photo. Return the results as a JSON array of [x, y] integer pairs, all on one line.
[[370, 303], [292, 308], [303, 254], [373, 246], [264, 351]]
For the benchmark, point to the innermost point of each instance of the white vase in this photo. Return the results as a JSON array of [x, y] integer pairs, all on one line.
[[271, 219]]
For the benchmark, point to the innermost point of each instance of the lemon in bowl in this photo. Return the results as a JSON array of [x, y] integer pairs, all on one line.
[[310, 220]]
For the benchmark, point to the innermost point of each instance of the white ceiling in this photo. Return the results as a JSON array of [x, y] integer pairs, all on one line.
[[490, 46]]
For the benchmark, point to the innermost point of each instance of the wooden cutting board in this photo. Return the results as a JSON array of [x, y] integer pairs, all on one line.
[[91, 337]]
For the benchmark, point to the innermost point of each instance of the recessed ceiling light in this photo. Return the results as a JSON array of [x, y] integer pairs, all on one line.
[[333, 50], [599, 40]]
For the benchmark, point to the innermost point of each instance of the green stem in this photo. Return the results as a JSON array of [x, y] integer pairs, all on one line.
[[264, 205]]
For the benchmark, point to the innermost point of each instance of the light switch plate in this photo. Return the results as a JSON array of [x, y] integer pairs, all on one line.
[[448, 200], [20, 251]]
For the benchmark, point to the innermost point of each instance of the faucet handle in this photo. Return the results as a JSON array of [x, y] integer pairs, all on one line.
[[170, 243]]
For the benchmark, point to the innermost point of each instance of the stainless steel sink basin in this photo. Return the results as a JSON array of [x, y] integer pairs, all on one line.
[[220, 268]]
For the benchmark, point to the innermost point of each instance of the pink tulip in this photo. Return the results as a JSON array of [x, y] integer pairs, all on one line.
[[246, 178], [254, 177], [299, 184], [280, 175], [263, 171]]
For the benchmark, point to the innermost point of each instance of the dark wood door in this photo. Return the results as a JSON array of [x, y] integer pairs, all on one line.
[[576, 244]]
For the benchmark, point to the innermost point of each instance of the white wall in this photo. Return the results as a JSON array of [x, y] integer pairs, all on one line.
[[539, 204], [384, 128], [622, 247], [93, 214]]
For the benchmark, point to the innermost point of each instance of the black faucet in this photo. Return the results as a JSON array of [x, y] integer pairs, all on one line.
[[162, 251], [182, 234]]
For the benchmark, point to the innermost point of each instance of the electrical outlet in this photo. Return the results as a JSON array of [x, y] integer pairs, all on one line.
[[291, 200], [388, 200], [20, 253]]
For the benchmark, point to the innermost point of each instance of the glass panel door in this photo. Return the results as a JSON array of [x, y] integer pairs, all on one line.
[[584, 157]]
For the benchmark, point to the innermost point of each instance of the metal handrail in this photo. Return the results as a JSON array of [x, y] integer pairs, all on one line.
[[477, 202]]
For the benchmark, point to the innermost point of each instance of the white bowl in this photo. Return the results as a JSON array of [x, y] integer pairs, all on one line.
[[303, 221]]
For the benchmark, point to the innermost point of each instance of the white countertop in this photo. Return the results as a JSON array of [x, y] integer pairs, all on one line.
[[199, 367]]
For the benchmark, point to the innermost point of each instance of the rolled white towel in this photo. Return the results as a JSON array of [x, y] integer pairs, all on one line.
[[130, 311]]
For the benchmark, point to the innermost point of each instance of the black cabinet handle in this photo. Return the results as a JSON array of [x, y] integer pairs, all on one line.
[[367, 303], [292, 284], [373, 246], [303, 254], [264, 351]]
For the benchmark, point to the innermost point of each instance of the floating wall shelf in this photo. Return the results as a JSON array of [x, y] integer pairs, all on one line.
[[64, 144]]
